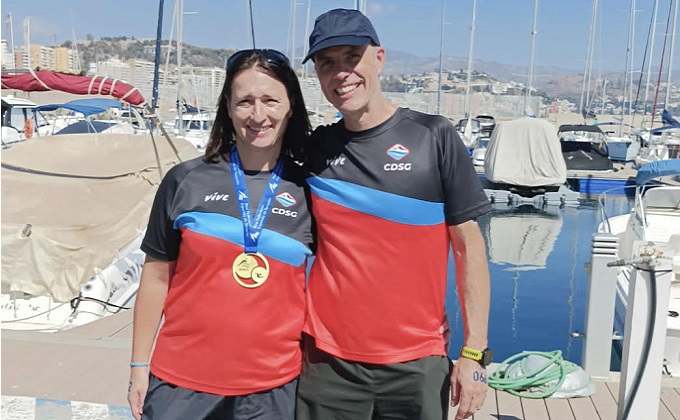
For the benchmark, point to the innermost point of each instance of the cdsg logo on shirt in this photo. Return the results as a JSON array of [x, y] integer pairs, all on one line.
[[397, 152], [397, 167], [287, 200]]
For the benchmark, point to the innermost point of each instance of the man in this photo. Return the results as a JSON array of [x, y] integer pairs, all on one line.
[[391, 189]]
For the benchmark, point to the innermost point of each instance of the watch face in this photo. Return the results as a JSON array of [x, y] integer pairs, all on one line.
[[487, 357]]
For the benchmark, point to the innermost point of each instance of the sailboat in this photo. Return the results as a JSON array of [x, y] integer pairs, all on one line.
[[654, 217], [664, 142], [192, 123], [468, 127]]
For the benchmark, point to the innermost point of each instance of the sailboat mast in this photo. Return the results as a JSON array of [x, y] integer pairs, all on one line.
[[180, 105], [670, 57], [441, 46], [470, 55], [604, 96], [75, 44], [628, 60], [157, 57], [290, 27], [651, 53], [252, 24], [585, 91], [292, 40], [632, 58], [530, 75], [304, 66], [10, 39], [27, 41]]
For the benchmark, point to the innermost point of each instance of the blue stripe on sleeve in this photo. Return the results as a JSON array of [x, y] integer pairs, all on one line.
[[392, 207], [271, 244]]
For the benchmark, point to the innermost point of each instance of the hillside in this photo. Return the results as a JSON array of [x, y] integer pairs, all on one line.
[[125, 48], [554, 82]]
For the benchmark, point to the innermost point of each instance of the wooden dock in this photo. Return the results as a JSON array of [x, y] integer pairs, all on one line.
[[65, 371]]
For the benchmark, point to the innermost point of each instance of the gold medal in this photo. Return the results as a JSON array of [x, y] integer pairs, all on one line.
[[250, 270]]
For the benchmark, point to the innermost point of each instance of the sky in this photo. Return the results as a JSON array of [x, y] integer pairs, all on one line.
[[502, 30]]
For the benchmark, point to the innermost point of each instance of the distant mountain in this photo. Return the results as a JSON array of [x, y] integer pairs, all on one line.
[[124, 48], [553, 81]]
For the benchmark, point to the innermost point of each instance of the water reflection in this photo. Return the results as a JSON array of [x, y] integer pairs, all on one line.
[[538, 282], [521, 238]]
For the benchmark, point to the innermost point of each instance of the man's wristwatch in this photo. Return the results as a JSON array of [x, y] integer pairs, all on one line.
[[484, 357]]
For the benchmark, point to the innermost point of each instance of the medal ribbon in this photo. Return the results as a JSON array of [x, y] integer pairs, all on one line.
[[252, 226]]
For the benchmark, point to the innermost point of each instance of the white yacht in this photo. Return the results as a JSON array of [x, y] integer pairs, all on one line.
[[655, 217], [194, 128]]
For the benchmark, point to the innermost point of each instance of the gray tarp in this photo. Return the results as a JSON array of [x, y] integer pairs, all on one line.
[[525, 152], [85, 196]]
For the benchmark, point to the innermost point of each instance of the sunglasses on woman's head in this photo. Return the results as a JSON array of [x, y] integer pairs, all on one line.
[[270, 56]]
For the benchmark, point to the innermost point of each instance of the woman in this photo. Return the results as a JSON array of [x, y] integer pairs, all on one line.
[[227, 273]]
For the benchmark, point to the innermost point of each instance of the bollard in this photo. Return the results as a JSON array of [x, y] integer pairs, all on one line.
[[599, 321]]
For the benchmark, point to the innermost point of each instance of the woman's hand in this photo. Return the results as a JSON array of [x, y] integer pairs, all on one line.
[[139, 384]]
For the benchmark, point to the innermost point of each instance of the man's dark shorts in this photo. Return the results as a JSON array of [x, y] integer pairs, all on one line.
[[165, 401], [331, 388]]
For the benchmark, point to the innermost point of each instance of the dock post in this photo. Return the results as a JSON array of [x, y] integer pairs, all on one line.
[[645, 402], [599, 321]]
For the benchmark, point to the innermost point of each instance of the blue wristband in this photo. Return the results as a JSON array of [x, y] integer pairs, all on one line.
[[133, 364]]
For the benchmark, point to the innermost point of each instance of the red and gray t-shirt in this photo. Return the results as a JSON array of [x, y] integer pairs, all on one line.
[[382, 200], [218, 336]]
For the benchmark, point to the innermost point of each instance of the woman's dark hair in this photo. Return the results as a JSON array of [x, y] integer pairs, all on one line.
[[298, 129]]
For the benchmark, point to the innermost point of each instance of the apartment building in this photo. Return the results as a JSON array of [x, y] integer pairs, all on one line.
[[7, 56], [65, 59], [42, 56], [54, 58]]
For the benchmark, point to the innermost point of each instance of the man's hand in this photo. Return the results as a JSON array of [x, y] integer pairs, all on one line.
[[445, 330], [139, 384], [468, 387]]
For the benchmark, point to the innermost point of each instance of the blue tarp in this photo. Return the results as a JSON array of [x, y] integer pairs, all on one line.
[[87, 107], [658, 130], [657, 169], [668, 119], [86, 127]]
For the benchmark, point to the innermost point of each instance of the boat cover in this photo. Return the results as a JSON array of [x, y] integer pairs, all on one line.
[[71, 202], [94, 127], [45, 80], [525, 152], [87, 107], [667, 118], [657, 169]]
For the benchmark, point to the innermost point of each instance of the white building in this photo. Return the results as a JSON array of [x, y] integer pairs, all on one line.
[[7, 57]]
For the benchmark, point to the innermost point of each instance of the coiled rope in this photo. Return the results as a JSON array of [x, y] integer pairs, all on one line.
[[539, 383]]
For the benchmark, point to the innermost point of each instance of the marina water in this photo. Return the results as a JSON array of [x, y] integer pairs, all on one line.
[[538, 261]]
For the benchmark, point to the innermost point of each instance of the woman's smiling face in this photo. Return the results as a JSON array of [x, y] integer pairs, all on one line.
[[259, 108]]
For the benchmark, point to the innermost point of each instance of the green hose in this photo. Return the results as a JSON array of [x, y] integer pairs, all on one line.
[[540, 383]]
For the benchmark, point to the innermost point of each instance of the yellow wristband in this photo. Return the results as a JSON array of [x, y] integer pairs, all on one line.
[[470, 353]]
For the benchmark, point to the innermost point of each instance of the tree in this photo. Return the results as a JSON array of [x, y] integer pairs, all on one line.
[[89, 37]]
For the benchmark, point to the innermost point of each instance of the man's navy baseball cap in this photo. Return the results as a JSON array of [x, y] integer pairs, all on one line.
[[340, 27]]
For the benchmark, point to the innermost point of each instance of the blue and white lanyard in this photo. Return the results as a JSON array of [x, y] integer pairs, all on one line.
[[252, 227]]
